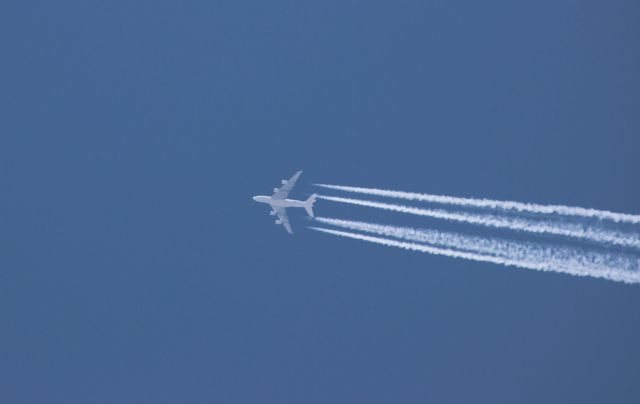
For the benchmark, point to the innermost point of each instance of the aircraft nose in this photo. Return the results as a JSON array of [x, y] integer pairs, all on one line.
[[255, 198]]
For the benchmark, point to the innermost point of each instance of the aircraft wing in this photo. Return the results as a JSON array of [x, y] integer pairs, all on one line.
[[287, 186], [282, 216]]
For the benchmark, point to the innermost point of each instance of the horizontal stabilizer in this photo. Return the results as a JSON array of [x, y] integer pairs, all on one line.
[[308, 204]]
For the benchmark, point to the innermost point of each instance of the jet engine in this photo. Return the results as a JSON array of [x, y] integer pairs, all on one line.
[[275, 190], [272, 213], [284, 182], [278, 221]]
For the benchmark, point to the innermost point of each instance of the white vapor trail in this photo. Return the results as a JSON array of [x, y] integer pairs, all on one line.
[[622, 277], [493, 204], [573, 230], [563, 259]]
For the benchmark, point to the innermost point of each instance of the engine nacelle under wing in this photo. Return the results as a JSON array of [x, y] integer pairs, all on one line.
[[272, 213], [284, 182], [278, 221], [276, 190]]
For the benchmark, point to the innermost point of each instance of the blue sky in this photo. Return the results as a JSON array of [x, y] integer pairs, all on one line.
[[134, 266]]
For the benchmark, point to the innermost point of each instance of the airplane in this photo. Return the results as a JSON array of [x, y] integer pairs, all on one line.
[[279, 202]]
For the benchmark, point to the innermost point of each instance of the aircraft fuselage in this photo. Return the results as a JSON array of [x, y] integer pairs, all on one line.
[[280, 203]]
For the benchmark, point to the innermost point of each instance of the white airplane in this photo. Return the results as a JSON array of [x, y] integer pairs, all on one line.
[[279, 202]]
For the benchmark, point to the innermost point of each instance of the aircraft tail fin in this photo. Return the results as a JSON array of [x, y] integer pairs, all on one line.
[[308, 204]]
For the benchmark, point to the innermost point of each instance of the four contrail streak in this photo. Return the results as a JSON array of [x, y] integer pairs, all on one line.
[[493, 204], [614, 266], [617, 276], [509, 222]]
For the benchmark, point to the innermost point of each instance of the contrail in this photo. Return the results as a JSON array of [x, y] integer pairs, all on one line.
[[615, 276], [493, 204], [514, 223], [614, 266]]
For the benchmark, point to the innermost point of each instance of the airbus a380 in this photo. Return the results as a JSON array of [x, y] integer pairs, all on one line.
[[279, 202]]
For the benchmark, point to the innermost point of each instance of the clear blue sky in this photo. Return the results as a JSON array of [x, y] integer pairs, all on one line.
[[134, 266]]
